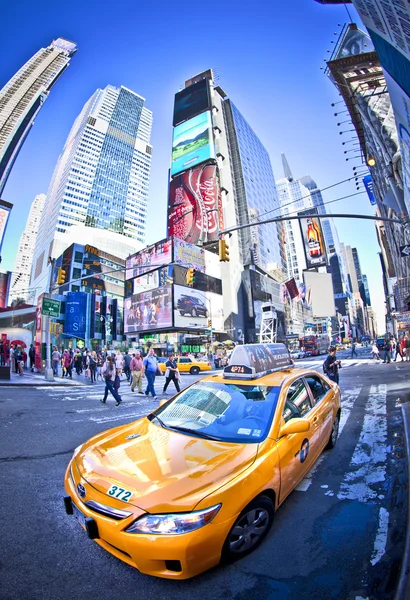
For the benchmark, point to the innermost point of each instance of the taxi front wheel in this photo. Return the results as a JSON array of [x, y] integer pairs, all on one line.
[[335, 432], [250, 529]]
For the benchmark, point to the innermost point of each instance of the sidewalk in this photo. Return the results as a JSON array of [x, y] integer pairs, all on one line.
[[35, 379]]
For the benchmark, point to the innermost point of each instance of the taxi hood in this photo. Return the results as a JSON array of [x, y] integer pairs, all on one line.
[[164, 469]]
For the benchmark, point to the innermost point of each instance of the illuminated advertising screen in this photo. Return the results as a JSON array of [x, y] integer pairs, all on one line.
[[194, 309], [147, 259], [5, 208], [195, 205], [148, 311], [189, 255], [312, 237], [191, 101], [192, 143]]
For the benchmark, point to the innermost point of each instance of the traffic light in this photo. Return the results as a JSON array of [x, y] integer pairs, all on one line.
[[223, 251], [190, 276], [209, 324], [61, 276]]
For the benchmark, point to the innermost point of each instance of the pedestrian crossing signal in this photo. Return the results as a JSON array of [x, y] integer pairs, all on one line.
[[61, 275], [190, 276], [223, 251]]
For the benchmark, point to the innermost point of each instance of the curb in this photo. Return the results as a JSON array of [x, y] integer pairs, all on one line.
[[403, 589]]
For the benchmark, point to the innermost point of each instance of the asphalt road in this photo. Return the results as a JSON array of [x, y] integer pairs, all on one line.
[[339, 536]]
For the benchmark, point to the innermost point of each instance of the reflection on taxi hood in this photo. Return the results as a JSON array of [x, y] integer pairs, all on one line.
[[165, 470]]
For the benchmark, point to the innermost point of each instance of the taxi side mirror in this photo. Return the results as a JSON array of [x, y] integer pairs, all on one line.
[[163, 401], [294, 426]]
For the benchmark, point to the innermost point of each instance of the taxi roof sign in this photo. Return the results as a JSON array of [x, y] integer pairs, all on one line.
[[252, 361]]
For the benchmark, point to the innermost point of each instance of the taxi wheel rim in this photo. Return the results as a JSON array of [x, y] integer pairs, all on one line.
[[249, 530], [335, 430]]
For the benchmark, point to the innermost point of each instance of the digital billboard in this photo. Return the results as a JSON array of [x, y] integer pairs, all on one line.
[[148, 311], [195, 205], [312, 238], [147, 259], [193, 309], [189, 255], [191, 101], [192, 143], [76, 314]]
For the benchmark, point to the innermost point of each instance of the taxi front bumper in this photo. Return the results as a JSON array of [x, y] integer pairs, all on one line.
[[170, 556]]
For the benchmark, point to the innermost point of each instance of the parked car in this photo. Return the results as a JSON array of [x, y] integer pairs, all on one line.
[[189, 305], [297, 354]]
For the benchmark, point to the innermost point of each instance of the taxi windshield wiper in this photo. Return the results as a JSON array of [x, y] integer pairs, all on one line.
[[195, 432], [153, 416]]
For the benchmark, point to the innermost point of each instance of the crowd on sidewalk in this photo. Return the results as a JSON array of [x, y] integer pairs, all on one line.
[[392, 350]]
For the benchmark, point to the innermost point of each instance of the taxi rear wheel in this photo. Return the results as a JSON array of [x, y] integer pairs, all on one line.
[[250, 529], [194, 370], [335, 432]]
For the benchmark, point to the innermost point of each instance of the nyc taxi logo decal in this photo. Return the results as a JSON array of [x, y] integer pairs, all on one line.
[[304, 451]]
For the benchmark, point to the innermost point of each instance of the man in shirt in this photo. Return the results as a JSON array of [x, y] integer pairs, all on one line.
[[150, 366], [55, 357], [127, 364], [136, 372]]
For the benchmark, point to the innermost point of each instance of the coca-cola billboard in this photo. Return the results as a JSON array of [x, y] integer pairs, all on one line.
[[195, 205]]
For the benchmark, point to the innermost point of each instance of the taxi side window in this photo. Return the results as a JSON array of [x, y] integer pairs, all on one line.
[[297, 401], [185, 360], [318, 387]]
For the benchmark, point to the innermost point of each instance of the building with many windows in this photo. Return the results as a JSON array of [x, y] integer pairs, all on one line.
[[101, 178], [20, 285], [23, 96]]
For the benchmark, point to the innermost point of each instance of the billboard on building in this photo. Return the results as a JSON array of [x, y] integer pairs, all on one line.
[[195, 205], [188, 255], [319, 288], [147, 259], [76, 314], [195, 309], [191, 101], [313, 240], [147, 282], [148, 311], [192, 143], [5, 279], [5, 208]]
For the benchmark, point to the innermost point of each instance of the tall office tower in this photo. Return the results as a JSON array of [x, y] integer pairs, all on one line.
[[23, 96], [21, 277], [317, 199], [366, 289], [100, 181]]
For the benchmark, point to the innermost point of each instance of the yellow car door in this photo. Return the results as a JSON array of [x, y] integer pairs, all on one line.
[[297, 451], [323, 403], [184, 364]]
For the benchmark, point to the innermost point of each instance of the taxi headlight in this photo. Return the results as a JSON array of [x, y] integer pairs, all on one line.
[[77, 450], [174, 523]]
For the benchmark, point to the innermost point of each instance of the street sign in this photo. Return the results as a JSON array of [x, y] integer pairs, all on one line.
[[405, 250], [56, 328], [50, 307]]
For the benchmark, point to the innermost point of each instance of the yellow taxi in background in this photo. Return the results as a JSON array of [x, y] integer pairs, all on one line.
[[187, 364], [199, 479]]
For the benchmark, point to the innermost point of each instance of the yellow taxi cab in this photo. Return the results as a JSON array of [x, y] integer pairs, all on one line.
[[198, 480], [188, 364]]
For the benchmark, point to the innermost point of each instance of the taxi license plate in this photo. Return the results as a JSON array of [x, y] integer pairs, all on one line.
[[79, 516]]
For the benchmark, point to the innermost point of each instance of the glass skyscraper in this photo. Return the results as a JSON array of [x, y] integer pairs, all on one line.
[[318, 203], [102, 176], [23, 96]]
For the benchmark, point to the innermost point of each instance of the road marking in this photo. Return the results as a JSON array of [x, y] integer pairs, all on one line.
[[118, 416], [381, 537]]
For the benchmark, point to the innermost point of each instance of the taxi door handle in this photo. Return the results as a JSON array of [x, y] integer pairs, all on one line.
[[315, 419]]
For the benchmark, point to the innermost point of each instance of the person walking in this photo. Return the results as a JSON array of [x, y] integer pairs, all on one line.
[[398, 351], [100, 363], [387, 355], [171, 373], [92, 365], [119, 361], [78, 362], [68, 364], [375, 351], [354, 353], [109, 373], [136, 368], [55, 358], [127, 362], [331, 365], [19, 360], [32, 357], [150, 366]]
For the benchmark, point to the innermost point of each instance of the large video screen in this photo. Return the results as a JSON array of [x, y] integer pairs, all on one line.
[[312, 237], [148, 311], [194, 309], [192, 143], [191, 101], [195, 205], [147, 259]]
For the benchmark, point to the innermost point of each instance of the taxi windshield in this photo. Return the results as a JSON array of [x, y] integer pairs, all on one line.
[[225, 412]]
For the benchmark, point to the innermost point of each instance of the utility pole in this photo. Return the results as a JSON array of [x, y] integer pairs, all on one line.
[[49, 374]]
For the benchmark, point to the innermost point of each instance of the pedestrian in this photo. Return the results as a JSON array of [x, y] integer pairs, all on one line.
[[150, 367], [136, 368], [19, 360], [78, 362], [397, 351], [15, 355], [32, 357], [171, 373], [375, 351], [109, 373], [354, 353], [117, 380], [119, 361], [387, 350], [68, 364], [55, 359], [331, 365], [92, 365], [127, 362], [100, 363]]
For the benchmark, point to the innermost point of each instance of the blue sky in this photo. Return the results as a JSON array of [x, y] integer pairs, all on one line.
[[267, 56]]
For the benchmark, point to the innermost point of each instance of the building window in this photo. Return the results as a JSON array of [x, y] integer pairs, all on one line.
[[78, 257]]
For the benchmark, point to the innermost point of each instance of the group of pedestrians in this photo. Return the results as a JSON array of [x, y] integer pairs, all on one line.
[[392, 349]]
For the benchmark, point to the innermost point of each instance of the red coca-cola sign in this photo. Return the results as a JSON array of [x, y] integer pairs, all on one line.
[[195, 205]]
